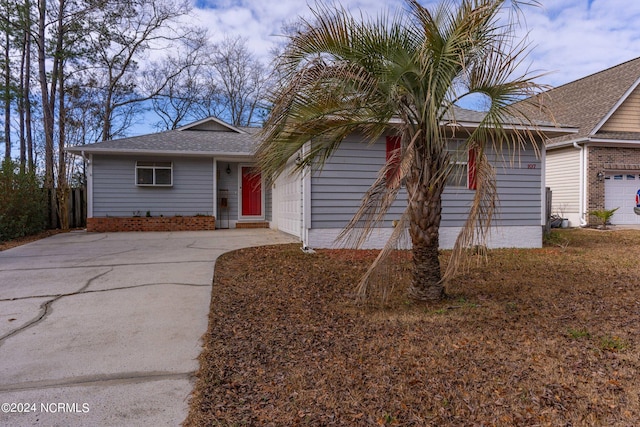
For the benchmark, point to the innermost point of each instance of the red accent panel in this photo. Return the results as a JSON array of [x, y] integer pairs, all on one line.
[[471, 170], [394, 144], [251, 192]]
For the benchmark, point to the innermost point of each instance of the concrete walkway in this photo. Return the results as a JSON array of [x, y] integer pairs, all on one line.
[[104, 329]]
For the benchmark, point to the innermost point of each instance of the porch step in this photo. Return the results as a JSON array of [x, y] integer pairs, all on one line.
[[262, 224]]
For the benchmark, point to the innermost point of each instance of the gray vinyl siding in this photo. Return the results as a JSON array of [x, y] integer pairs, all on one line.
[[338, 189], [116, 194], [519, 190], [336, 192], [229, 182]]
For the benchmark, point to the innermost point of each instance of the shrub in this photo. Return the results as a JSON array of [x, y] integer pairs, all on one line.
[[604, 216], [22, 203]]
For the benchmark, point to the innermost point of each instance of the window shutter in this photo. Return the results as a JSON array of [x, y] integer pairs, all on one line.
[[471, 169], [394, 144]]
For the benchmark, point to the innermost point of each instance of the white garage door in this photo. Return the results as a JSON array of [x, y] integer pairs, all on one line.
[[620, 191], [287, 199]]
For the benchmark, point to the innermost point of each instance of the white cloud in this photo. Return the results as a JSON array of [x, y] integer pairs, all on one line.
[[261, 22], [571, 39]]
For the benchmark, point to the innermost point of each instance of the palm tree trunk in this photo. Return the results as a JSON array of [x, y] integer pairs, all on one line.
[[425, 213]]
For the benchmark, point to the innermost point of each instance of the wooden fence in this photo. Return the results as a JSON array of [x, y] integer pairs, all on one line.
[[76, 207]]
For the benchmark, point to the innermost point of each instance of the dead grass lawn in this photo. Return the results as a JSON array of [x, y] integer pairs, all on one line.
[[536, 337]]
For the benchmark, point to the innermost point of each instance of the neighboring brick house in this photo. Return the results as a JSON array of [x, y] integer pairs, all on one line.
[[599, 167]]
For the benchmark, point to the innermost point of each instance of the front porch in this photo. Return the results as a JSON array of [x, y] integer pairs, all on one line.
[[242, 199]]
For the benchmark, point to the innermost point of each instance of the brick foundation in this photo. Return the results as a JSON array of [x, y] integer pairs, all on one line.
[[174, 223]]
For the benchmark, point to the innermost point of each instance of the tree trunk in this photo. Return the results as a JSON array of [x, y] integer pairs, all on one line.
[[27, 96], [63, 184], [25, 75], [425, 213], [21, 105], [106, 120], [47, 113], [7, 96]]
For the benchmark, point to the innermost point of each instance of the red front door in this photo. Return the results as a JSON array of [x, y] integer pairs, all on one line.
[[251, 192]]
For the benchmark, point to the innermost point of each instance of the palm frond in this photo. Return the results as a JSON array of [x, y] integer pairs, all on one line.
[[341, 75], [374, 280], [478, 225], [332, 70]]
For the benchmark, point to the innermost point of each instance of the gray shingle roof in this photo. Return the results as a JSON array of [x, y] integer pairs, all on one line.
[[464, 115], [180, 142], [584, 103], [194, 140], [472, 116]]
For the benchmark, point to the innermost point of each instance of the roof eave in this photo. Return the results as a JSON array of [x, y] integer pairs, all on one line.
[[567, 143], [615, 141], [590, 140], [547, 130], [78, 151]]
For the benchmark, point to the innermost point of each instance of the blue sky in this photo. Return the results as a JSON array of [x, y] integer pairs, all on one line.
[[570, 38]]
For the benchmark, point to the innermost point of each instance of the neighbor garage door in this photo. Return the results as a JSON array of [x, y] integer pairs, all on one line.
[[620, 191]]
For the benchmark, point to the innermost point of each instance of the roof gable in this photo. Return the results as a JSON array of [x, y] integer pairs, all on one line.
[[209, 136], [625, 116], [211, 124], [589, 102]]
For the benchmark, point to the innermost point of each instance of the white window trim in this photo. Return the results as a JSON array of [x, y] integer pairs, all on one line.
[[154, 167], [463, 182]]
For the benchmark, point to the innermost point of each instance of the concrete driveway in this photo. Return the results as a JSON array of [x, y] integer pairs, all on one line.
[[104, 329]]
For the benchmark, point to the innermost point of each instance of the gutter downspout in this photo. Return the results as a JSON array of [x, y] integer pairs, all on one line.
[[306, 201], [88, 170], [581, 209]]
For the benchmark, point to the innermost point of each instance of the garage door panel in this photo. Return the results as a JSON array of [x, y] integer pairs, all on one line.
[[620, 192]]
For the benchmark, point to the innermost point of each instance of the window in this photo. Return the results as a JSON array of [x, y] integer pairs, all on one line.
[[394, 156], [471, 170], [159, 174], [463, 160]]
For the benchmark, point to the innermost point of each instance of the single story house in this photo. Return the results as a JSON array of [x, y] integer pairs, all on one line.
[[201, 170], [599, 166], [204, 173]]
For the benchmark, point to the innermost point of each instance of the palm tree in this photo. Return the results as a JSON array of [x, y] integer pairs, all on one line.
[[403, 73]]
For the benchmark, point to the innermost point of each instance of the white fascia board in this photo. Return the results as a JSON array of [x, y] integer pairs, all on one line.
[[593, 140], [615, 141], [77, 151], [473, 125], [567, 143], [534, 128]]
